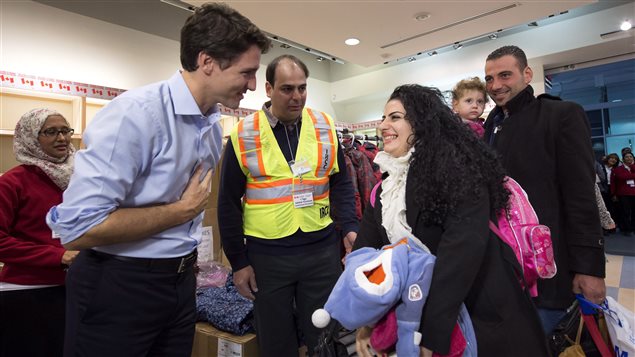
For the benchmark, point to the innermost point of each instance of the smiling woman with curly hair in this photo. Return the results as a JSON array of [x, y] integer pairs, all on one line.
[[443, 184]]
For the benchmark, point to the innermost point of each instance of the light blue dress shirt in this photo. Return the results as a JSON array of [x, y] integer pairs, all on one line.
[[141, 150]]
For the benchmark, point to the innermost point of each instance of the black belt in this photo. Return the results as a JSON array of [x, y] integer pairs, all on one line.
[[166, 265]]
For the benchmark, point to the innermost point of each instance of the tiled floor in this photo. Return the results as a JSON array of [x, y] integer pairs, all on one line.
[[620, 279]]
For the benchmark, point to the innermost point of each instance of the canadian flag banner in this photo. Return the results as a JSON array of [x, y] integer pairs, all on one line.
[[51, 85]]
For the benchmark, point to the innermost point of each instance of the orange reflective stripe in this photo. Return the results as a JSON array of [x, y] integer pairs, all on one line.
[[256, 201], [326, 149], [322, 196], [283, 182], [269, 184], [333, 158], [261, 164], [251, 147], [241, 145], [319, 142], [269, 201]]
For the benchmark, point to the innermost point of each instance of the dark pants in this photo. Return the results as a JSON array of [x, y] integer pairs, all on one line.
[[628, 212], [303, 281], [32, 322], [117, 309]]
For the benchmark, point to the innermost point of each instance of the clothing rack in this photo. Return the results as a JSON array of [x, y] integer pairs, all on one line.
[[368, 137]]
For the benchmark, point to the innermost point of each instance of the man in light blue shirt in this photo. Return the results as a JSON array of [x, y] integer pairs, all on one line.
[[134, 204]]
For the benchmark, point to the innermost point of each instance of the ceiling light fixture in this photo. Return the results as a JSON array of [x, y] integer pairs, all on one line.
[[492, 36], [433, 53], [626, 25], [352, 41], [422, 16], [320, 59], [284, 43], [180, 4], [457, 46], [411, 59]]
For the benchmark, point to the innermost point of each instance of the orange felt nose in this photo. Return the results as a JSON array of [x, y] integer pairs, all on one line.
[[376, 275]]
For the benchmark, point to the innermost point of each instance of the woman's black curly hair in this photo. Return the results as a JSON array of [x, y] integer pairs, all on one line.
[[450, 162]]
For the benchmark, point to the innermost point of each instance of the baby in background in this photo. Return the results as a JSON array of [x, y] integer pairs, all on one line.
[[468, 102]]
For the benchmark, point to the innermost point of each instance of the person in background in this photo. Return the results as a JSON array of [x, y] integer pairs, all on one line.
[[625, 150], [32, 294], [468, 102], [134, 204], [605, 216], [544, 144], [604, 170], [282, 177], [623, 188], [424, 144]]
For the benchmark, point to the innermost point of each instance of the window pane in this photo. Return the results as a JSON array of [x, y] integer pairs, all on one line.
[[598, 147], [621, 120], [595, 121]]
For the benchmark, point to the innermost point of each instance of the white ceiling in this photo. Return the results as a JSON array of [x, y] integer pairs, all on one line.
[[387, 29]]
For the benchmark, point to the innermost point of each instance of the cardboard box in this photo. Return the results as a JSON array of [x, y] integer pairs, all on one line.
[[211, 342], [213, 195], [210, 219]]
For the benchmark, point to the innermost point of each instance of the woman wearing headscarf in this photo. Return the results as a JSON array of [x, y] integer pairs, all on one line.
[[443, 184], [32, 295]]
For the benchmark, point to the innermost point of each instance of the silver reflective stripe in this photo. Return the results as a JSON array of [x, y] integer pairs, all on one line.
[[285, 191], [269, 193], [321, 189], [248, 136], [323, 128]]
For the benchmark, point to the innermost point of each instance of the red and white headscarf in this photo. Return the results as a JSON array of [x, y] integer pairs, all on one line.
[[28, 151]]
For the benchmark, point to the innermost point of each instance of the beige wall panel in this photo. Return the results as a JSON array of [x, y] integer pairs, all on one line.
[[92, 107], [13, 104], [7, 159]]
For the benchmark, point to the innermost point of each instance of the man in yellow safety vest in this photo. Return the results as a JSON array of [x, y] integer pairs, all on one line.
[[282, 172]]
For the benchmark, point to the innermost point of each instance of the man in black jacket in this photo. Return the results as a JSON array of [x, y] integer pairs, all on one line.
[[545, 145]]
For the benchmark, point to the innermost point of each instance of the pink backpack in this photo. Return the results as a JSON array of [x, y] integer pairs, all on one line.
[[518, 226]]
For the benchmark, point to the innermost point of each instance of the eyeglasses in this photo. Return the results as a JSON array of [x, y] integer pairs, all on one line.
[[54, 132]]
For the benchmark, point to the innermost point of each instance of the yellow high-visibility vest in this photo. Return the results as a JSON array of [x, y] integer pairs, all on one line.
[[268, 207]]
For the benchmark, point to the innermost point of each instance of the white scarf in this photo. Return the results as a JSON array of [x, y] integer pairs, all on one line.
[[393, 196]]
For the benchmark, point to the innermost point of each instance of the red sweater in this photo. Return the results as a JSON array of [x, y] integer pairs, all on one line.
[[29, 253], [623, 181]]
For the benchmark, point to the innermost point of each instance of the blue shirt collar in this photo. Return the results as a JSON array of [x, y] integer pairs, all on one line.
[[184, 103]]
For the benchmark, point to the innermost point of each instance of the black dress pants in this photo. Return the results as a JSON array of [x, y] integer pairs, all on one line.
[[290, 289], [117, 308], [32, 322]]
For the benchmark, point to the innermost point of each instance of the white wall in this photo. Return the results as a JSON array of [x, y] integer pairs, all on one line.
[[40, 40]]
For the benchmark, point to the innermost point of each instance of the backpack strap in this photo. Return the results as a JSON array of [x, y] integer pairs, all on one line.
[[373, 193], [510, 258]]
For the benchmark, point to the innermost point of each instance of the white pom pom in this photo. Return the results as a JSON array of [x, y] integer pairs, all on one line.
[[321, 318]]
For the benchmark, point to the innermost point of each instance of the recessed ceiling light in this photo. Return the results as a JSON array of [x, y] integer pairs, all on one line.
[[352, 41], [422, 16], [626, 25]]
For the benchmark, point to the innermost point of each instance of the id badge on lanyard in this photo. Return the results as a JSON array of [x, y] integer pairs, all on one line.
[[302, 194]]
